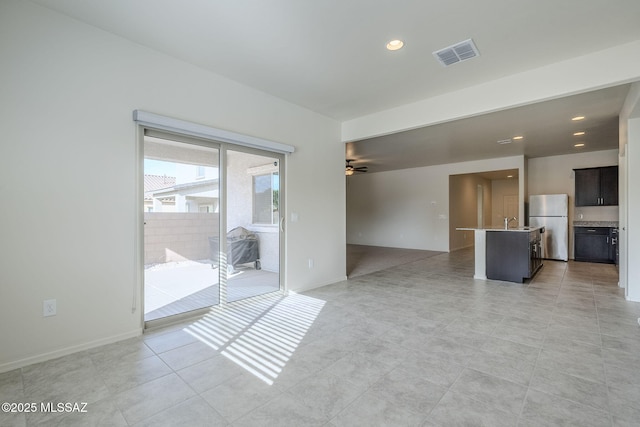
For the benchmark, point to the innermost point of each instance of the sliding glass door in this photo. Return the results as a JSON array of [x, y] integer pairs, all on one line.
[[212, 229], [253, 224], [181, 227]]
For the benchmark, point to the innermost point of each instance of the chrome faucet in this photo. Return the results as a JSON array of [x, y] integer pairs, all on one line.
[[507, 221]]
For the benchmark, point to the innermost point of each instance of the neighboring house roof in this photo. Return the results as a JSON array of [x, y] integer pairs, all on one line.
[[165, 188], [153, 183], [196, 185]]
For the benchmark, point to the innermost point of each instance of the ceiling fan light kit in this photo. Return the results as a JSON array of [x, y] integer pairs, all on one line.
[[350, 169]]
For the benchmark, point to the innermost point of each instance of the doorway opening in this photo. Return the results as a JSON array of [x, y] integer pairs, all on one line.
[[479, 200]]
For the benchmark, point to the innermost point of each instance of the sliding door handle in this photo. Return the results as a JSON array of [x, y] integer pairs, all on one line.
[[282, 224]]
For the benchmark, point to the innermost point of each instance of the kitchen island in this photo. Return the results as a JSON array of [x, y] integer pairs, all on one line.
[[511, 254]]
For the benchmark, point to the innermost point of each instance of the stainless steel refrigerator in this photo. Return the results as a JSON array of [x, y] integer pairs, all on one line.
[[551, 211]]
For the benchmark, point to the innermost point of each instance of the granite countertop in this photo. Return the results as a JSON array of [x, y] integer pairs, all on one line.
[[595, 223]]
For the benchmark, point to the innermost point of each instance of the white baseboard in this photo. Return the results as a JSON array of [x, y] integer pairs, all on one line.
[[9, 366], [318, 285]]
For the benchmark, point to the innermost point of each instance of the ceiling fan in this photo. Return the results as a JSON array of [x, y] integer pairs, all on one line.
[[350, 169]]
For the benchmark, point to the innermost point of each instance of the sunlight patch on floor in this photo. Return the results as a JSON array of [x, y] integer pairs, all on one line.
[[261, 335]]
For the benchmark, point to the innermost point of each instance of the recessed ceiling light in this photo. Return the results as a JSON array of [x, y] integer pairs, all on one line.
[[517, 138], [578, 133], [581, 144], [577, 118], [395, 44]]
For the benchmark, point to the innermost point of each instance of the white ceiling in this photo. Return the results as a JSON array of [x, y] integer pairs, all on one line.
[[329, 56], [547, 129]]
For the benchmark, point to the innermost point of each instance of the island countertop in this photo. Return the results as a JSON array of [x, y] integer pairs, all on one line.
[[516, 229]]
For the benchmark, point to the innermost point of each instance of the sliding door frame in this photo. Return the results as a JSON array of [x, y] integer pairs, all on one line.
[[143, 130], [282, 201]]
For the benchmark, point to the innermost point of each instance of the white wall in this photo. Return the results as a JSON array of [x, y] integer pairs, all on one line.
[[68, 174], [409, 208], [633, 208], [629, 194], [554, 175]]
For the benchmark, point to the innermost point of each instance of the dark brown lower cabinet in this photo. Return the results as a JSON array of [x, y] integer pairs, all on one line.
[[594, 244], [513, 255]]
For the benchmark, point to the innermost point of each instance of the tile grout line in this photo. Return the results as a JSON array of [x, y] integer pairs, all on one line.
[[535, 365], [604, 366]]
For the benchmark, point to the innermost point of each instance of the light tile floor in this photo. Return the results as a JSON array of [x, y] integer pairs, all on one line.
[[421, 344], [364, 259]]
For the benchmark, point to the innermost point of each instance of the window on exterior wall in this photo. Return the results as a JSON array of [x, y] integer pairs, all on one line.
[[200, 170], [266, 198]]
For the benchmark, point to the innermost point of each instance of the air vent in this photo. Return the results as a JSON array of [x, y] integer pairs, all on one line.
[[504, 141], [457, 53]]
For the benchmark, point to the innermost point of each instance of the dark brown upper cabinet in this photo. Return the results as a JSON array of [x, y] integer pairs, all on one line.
[[597, 186]]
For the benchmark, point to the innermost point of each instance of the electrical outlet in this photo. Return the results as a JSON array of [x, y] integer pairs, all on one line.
[[49, 308]]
